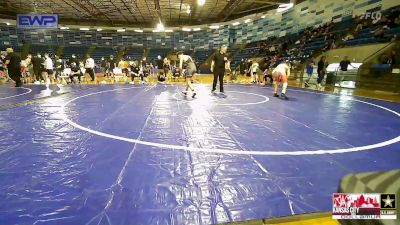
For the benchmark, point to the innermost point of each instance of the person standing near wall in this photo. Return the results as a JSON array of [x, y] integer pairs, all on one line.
[[309, 69], [36, 62], [167, 67], [160, 64], [3, 68], [343, 67], [103, 66], [254, 72], [49, 69], [321, 71], [13, 62], [89, 66]]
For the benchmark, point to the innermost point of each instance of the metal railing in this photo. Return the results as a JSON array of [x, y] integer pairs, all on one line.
[[379, 51]]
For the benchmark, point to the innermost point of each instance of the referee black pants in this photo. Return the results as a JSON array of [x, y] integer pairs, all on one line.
[[218, 75], [15, 75], [90, 71]]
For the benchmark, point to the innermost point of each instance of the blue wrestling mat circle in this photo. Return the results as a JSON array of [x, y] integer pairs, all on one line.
[[15, 92], [237, 151]]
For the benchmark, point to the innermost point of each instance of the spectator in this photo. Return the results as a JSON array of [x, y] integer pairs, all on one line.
[[392, 58], [321, 71], [135, 71], [344, 64], [384, 59], [25, 65], [112, 64], [309, 70], [73, 63], [36, 62], [49, 69], [254, 72], [103, 65], [58, 64], [3, 68], [383, 21], [343, 67], [160, 64], [379, 33], [333, 45], [13, 62], [248, 69], [397, 21], [391, 24]]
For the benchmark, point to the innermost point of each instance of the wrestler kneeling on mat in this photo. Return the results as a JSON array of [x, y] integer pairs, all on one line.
[[281, 74]]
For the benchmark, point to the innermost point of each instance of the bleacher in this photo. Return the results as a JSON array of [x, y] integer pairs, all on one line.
[[201, 55], [105, 52], [154, 52], [244, 54], [34, 49], [231, 50], [188, 52], [134, 53], [315, 44], [341, 28], [69, 50]]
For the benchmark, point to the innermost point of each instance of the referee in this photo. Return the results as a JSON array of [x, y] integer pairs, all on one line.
[[218, 68]]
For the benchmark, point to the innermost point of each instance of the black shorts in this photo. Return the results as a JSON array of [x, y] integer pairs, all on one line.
[[50, 72], [14, 73], [190, 69], [36, 70], [161, 78]]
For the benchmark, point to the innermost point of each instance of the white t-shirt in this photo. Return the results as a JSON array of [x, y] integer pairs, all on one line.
[[254, 67], [48, 64], [89, 63], [281, 68], [184, 58]]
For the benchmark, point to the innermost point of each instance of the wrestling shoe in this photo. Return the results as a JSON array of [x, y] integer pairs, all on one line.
[[284, 96]]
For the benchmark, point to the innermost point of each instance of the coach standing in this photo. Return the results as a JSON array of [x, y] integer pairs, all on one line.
[[218, 68], [13, 62], [89, 66]]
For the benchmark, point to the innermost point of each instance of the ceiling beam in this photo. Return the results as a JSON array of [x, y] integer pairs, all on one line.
[[194, 10], [230, 8], [73, 6], [138, 9], [180, 10], [120, 12], [93, 10], [249, 11], [269, 2], [129, 9], [158, 8]]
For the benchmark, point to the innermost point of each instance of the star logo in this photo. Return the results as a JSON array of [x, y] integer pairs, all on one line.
[[388, 201]]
